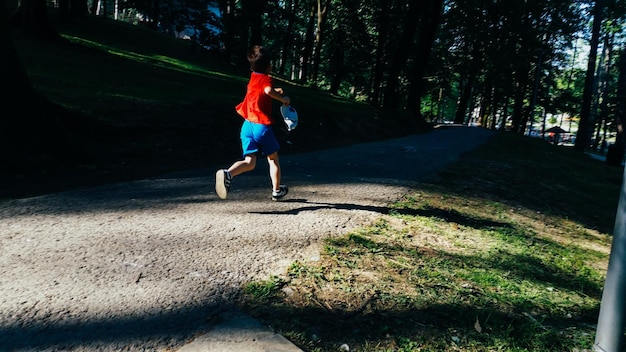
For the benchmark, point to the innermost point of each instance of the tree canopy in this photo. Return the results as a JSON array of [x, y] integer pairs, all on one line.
[[507, 64]]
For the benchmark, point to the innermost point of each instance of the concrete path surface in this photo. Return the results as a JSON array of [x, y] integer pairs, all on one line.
[[240, 333], [157, 264]]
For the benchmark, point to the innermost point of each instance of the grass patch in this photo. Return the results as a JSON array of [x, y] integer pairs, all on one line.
[[505, 251]]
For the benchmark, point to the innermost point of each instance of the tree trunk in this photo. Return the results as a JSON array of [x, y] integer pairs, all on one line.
[[93, 9], [71, 9], [482, 111], [535, 93], [32, 17], [382, 25], [253, 19], [399, 58], [307, 51], [42, 132], [487, 102], [466, 93], [583, 136], [518, 125], [495, 98], [527, 112], [615, 154], [287, 41], [156, 14], [505, 115], [24, 136], [467, 85], [78, 8], [12, 73], [322, 11], [337, 65], [602, 100], [64, 10], [227, 10], [522, 68], [429, 23]]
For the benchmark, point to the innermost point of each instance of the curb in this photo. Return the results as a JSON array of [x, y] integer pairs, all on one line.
[[239, 332]]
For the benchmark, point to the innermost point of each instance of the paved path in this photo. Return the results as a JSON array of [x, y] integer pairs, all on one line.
[[155, 264]]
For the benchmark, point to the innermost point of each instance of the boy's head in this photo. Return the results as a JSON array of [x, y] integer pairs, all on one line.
[[259, 59]]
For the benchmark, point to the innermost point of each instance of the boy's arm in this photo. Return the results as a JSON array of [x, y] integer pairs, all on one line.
[[277, 94]]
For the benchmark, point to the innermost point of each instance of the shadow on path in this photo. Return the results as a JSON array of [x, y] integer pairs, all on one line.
[[428, 212]]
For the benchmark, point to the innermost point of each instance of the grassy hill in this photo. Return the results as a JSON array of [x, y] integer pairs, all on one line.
[[147, 103]]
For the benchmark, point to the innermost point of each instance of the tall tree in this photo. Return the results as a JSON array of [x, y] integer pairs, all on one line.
[[601, 101], [252, 13], [348, 48], [323, 6], [12, 73], [391, 99], [429, 23], [460, 52], [71, 9], [25, 137], [306, 55], [383, 25], [585, 127], [615, 155], [229, 36], [32, 17], [288, 35]]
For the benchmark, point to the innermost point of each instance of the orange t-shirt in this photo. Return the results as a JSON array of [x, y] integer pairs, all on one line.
[[257, 106]]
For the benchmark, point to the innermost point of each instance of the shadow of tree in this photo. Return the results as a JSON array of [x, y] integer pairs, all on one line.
[[402, 320], [434, 326], [507, 264], [446, 215], [390, 318], [147, 331]]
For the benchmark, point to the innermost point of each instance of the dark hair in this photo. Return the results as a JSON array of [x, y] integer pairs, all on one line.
[[259, 58]]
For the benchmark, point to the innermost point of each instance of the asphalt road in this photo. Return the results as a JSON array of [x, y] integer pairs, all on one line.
[[149, 265]]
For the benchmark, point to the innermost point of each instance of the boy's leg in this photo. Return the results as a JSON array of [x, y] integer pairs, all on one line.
[[249, 146], [274, 168], [223, 177], [278, 190], [247, 164]]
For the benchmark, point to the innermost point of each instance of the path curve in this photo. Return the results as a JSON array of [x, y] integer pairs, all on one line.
[[146, 265]]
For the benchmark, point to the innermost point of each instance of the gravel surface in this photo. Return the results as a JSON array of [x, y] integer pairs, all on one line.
[[148, 265]]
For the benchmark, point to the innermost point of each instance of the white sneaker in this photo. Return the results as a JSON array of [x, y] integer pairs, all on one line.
[[222, 183], [282, 191]]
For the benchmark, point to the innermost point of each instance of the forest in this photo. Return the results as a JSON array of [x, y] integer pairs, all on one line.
[[519, 66], [513, 65]]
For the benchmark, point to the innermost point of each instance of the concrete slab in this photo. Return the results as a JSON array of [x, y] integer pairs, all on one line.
[[239, 332]]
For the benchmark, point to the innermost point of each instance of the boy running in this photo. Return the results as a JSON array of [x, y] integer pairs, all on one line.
[[257, 135]]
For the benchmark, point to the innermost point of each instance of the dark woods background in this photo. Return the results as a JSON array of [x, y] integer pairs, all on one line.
[[511, 65]]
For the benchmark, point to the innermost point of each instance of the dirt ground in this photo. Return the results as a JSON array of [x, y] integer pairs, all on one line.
[[149, 264]]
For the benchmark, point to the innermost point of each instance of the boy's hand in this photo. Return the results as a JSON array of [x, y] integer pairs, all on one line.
[[277, 93]]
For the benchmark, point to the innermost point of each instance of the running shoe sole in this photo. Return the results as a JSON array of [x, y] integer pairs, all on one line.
[[220, 184]]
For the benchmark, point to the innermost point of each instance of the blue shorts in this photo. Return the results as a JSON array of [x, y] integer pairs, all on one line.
[[256, 137]]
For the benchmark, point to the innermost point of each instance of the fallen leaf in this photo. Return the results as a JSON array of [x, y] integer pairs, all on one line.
[[477, 326]]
